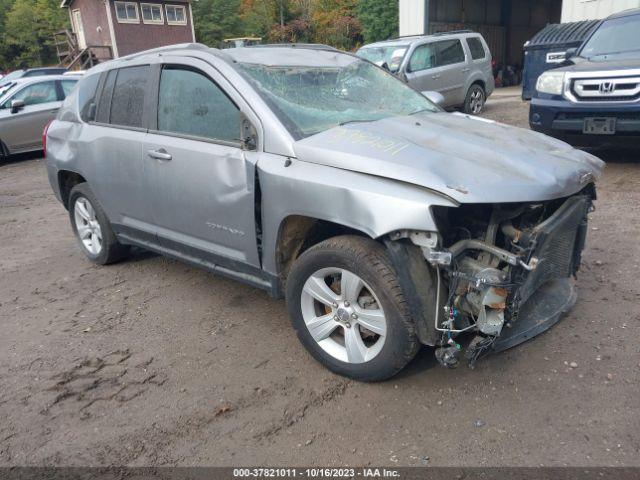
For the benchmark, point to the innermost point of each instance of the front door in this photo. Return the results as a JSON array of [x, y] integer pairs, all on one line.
[[22, 129], [200, 180], [79, 27]]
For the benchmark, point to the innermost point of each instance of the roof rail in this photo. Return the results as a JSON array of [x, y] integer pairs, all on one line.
[[308, 46], [166, 48], [453, 32]]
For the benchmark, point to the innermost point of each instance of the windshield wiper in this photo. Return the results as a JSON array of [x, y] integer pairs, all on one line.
[[347, 122]]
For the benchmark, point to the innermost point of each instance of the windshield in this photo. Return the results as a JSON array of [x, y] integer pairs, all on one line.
[[618, 36], [4, 88], [392, 55], [11, 76], [311, 99]]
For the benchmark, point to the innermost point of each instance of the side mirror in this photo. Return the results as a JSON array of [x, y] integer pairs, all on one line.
[[385, 66], [435, 97], [16, 106], [570, 53], [249, 138]]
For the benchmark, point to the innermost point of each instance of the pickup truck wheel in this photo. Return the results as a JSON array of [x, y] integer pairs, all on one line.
[[348, 310], [92, 228], [474, 103]]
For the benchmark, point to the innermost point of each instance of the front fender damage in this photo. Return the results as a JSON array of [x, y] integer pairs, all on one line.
[[494, 276]]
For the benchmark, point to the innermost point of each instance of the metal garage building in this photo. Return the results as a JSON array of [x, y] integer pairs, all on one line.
[[505, 24]]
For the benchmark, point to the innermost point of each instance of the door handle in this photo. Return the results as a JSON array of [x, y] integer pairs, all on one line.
[[160, 154], [435, 77], [465, 70]]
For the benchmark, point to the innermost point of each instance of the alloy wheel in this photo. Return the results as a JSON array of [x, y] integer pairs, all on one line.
[[87, 225], [477, 101], [343, 315]]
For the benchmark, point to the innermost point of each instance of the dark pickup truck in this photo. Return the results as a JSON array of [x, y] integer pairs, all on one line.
[[593, 99]]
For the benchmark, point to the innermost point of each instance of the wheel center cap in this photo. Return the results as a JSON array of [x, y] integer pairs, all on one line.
[[343, 315]]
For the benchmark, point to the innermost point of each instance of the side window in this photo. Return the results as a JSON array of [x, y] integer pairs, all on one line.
[[127, 102], [37, 93], [176, 15], [423, 58], [192, 104], [449, 52], [476, 48], [87, 97], [104, 103], [127, 12], [67, 86]]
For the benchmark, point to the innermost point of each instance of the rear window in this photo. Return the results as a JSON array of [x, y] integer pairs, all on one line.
[[128, 96], [476, 48], [87, 97], [122, 97], [449, 52], [104, 104]]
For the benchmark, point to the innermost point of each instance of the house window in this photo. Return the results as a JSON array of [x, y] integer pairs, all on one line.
[[152, 13], [176, 14], [127, 12]]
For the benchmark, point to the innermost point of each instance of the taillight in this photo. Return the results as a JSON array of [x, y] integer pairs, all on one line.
[[44, 137]]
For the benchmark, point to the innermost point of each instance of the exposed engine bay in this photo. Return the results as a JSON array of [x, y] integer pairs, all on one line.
[[505, 271]]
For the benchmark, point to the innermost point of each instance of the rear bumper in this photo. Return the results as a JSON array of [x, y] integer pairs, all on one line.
[[565, 120]]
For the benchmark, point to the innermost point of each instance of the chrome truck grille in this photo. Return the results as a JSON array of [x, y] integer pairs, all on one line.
[[558, 244], [618, 89]]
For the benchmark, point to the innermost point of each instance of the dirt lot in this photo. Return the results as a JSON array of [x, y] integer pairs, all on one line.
[[153, 362]]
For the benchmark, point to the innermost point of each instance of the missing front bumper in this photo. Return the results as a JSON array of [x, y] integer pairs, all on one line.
[[543, 310]]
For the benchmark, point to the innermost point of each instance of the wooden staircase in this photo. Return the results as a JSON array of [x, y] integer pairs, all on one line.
[[72, 57]]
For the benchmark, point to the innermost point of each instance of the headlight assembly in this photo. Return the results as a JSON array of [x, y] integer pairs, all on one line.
[[551, 83]]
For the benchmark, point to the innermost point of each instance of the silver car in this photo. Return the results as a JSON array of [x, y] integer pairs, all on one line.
[[26, 106], [455, 64], [386, 222]]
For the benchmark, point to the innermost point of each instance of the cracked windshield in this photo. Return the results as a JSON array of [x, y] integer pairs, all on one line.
[[311, 99]]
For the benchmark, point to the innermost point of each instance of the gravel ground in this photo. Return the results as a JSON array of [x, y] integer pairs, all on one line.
[[151, 362]]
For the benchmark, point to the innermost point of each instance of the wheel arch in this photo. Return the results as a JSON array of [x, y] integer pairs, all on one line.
[[480, 82], [67, 179], [298, 233]]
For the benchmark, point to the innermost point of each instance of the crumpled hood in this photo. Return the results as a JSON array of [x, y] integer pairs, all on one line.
[[469, 159]]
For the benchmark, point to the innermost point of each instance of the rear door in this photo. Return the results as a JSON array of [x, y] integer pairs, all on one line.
[[200, 180], [113, 146], [21, 131]]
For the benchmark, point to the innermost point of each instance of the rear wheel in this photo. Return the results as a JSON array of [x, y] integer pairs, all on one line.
[[92, 228], [348, 310], [476, 98]]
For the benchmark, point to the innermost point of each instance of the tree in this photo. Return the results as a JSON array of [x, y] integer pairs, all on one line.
[[217, 20], [28, 32], [379, 19]]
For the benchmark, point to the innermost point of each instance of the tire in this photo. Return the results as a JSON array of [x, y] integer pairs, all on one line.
[[365, 273], [90, 223], [475, 100]]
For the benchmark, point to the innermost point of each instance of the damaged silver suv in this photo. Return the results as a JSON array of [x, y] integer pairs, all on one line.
[[386, 222]]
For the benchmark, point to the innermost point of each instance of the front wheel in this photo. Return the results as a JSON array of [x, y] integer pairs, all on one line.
[[476, 98], [348, 310]]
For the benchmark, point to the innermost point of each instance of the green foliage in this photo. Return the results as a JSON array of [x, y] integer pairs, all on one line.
[[379, 19], [216, 20], [26, 36], [27, 26]]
